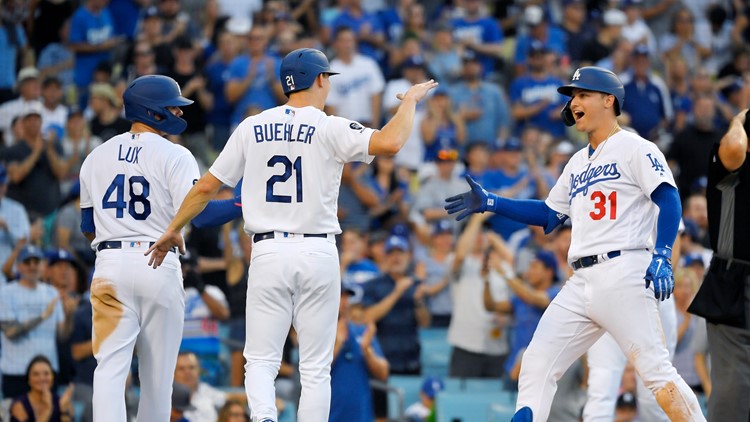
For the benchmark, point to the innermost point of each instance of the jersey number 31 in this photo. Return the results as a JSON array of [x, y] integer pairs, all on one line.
[[116, 190], [600, 205]]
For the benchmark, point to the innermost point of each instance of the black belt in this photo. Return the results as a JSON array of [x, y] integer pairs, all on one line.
[[270, 235], [588, 261], [115, 244]]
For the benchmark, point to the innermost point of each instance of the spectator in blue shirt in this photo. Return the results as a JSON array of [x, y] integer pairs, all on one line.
[[127, 12], [531, 296], [357, 358], [551, 37], [482, 104], [534, 97], [395, 302], [91, 39], [647, 99], [253, 82], [12, 42], [217, 72], [480, 34], [367, 27]]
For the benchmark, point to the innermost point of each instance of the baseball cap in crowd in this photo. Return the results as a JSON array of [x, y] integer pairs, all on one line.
[[442, 226], [736, 85], [106, 91], [401, 229], [567, 3], [694, 258], [31, 108], [396, 242], [564, 148], [537, 47], [548, 259], [447, 155], [59, 255], [27, 73], [151, 12], [614, 17], [512, 144], [533, 15], [181, 398], [432, 385], [413, 62], [238, 25], [641, 50], [29, 252], [3, 175], [627, 401]]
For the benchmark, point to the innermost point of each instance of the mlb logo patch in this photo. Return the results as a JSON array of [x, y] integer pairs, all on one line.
[[289, 112]]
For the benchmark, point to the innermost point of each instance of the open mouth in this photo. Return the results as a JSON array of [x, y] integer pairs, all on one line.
[[578, 115]]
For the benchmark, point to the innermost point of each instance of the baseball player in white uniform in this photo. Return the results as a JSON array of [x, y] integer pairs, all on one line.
[[131, 187], [616, 192], [291, 158]]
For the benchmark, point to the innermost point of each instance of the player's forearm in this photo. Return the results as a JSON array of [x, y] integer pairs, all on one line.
[[668, 223], [196, 200], [392, 137]]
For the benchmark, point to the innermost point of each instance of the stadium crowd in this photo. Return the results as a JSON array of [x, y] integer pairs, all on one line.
[[405, 264]]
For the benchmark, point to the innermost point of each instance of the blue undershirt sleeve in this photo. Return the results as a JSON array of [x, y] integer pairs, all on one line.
[[87, 220], [219, 212], [666, 197], [528, 211]]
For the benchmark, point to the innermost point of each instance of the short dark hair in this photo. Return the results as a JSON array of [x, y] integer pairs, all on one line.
[[51, 80]]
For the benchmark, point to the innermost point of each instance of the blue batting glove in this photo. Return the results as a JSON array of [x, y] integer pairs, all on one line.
[[473, 201], [660, 273]]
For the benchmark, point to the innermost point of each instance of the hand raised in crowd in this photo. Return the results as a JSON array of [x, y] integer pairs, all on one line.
[[50, 309]]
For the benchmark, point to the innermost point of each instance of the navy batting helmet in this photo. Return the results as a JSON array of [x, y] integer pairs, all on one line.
[[146, 100], [300, 68], [592, 78]]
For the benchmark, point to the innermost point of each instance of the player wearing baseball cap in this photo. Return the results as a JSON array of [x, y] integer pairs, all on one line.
[[625, 211], [122, 181], [291, 158]]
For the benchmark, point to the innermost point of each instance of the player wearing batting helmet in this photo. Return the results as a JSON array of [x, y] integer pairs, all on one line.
[[131, 187]]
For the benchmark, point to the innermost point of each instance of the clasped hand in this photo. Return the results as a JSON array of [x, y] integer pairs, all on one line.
[[475, 200]]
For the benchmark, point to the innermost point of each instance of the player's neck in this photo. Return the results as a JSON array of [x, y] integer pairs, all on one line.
[[138, 127], [305, 99], [602, 133]]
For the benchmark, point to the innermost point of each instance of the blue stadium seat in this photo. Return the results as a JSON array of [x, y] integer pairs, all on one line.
[[471, 406], [482, 385], [436, 352], [704, 403]]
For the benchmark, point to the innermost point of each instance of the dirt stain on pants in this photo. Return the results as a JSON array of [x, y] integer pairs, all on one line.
[[107, 311]]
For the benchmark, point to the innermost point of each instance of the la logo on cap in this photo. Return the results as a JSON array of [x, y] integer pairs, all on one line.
[[577, 75]]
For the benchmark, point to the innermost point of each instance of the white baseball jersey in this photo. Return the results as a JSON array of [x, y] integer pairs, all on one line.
[[291, 160], [136, 183], [352, 88], [607, 195]]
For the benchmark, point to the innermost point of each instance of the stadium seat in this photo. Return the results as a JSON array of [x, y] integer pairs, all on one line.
[[482, 385], [289, 414], [470, 406], [436, 352]]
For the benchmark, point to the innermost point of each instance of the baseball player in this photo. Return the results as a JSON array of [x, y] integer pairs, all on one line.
[[291, 158], [625, 212], [131, 187]]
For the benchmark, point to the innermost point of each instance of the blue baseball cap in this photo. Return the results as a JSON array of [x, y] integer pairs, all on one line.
[[442, 226], [512, 144], [57, 255], [548, 259], [396, 242], [432, 385], [28, 252]]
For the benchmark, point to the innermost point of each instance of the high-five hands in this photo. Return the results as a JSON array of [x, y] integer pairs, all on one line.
[[475, 200]]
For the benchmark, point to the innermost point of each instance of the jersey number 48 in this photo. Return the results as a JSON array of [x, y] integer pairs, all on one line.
[[114, 197]]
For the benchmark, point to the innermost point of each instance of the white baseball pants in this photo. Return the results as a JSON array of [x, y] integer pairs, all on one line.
[[135, 306], [293, 280], [610, 296]]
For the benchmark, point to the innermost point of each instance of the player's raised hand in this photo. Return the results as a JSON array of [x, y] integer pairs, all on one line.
[[418, 91], [161, 247], [475, 200], [659, 272]]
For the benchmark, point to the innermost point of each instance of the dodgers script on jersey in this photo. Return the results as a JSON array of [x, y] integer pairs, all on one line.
[[287, 155], [136, 184], [607, 195]]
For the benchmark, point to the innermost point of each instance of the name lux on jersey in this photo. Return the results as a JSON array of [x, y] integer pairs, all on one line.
[[288, 132]]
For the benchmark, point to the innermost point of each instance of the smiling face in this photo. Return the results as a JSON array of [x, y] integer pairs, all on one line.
[[40, 377], [590, 108]]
